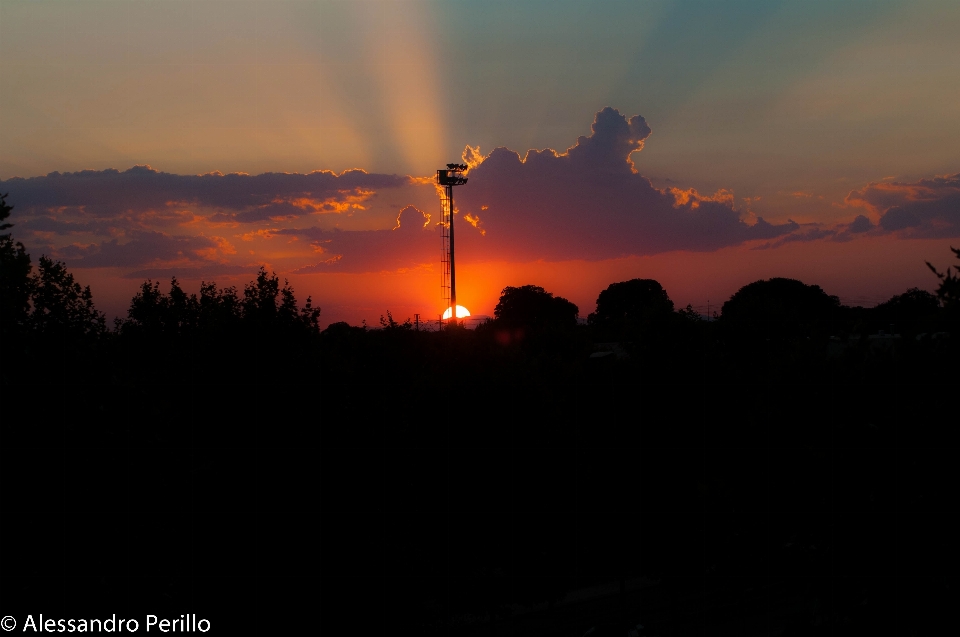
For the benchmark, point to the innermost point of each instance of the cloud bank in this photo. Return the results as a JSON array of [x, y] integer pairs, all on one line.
[[924, 209], [586, 203], [182, 223], [110, 193]]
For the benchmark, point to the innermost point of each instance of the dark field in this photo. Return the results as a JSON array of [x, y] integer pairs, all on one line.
[[784, 468]]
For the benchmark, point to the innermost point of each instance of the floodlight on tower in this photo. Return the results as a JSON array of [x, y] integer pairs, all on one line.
[[448, 178]]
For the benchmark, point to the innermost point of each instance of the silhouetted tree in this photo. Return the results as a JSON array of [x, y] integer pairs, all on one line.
[[532, 306], [310, 315], [266, 303], [153, 312], [260, 297], [342, 328], [778, 311], [147, 309], [625, 309], [913, 311], [220, 309], [182, 310], [15, 281], [689, 313], [949, 292], [389, 323], [60, 305]]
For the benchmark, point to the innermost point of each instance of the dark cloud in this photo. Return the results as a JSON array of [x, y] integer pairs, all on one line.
[[856, 228], [144, 248], [806, 232], [614, 138], [415, 240], [897, 218], [74, 252], [859, 225], [590, 203], [928, 208], [587, 203], [111, 193], [67, 223], [124, 219]]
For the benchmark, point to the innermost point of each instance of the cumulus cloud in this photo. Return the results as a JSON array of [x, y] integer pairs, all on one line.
[[586, 203], [928, 208], [859, 225], [896, 218], [590, 203]]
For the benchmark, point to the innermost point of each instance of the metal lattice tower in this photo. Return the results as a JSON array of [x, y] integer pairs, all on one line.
[[445, 207], [452, 176]]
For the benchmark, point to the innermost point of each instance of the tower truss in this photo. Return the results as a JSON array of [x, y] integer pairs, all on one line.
[[447, 179]]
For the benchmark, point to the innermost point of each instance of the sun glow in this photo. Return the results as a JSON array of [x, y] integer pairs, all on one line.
[[462, 312]]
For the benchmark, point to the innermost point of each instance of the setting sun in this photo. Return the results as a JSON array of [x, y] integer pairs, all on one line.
[[462, 312]]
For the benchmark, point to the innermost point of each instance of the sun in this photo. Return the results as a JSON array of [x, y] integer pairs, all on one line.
[[462, 312]]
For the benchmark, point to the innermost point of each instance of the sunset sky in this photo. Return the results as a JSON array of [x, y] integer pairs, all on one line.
[[705, 145]]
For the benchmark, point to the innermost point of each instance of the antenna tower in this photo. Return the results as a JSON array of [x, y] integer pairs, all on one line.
[[447, 179]]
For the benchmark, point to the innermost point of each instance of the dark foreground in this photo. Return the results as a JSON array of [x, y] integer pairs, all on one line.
[[450, 484], [787, 469]]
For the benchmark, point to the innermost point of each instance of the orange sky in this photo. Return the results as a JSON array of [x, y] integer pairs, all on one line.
[[852, 271]]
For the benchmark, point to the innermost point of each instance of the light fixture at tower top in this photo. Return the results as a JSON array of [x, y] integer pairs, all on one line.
[[452, 176]]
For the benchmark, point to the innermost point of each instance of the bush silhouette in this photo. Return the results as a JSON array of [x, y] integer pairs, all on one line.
[[909, 313], [949, 293], [779, 311], [61, 305], [533, 307], [15, 281], [625, 309]]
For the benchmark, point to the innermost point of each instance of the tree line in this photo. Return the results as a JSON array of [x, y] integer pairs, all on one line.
[[48, 311]]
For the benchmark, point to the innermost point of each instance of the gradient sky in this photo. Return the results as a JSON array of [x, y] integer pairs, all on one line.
[[816, 140]]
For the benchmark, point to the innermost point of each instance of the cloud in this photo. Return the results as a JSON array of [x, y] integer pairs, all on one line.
[[588, 202], [285, 209], [928, 208], [145, 248], [107, 194], [806, 232], [413, 241], [859, 225], [143, 217], [896, 218]]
